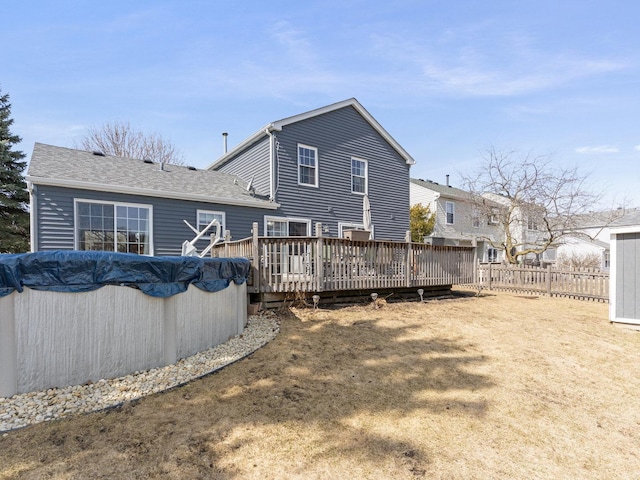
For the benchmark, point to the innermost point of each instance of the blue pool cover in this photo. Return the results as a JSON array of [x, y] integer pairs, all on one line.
[[76, 271]]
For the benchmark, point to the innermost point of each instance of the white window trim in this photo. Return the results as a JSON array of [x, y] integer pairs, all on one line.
[[268, 218], [76, 240], [446, 212], [317, 167], [366, 176], [223, 225], [342, 226]]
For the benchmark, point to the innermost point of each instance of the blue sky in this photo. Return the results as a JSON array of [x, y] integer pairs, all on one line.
[[446, 79]]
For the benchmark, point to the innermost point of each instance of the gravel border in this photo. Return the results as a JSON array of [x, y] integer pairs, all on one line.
[[26, 409]]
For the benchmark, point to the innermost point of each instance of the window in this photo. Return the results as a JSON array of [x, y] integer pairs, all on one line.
[[287, 227], [358, 176], [475, 217], [493, 218], [450, 210], [205, 217], [532, 224], [113, 227], [307, 165], [492, 255]]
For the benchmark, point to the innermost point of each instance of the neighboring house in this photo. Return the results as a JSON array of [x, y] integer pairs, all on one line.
[[592, 237], [579, 251], [319, 165], [87, 201], [525, 226], [624, 285], [458, 221]]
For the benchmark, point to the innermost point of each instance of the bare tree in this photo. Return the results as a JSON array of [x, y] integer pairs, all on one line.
[[577, 260], [121, 140], [539, 202]]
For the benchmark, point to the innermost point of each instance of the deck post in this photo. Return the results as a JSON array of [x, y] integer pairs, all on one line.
[[409, 253], [318, 260], [255, 257], [227, 239]]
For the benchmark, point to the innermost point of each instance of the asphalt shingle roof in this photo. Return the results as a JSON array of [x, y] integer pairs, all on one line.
[[445, 190], [65, 166]]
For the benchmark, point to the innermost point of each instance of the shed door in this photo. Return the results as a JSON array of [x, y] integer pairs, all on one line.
[[628, 276]]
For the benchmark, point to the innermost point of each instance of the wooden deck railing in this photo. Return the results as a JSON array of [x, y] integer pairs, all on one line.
[[584, 283], [317, 264]]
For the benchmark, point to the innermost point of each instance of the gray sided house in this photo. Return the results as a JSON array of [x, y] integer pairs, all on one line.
[[624, 285], [317, 166], [87, 201]]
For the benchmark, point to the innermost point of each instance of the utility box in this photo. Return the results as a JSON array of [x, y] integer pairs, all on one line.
[[357, 235]]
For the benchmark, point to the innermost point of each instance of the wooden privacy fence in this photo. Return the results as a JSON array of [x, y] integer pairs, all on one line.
[[583, 283], [319, 264]]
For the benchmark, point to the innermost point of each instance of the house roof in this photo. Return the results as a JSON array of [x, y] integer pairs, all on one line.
[[279, 124], [66, 167], [443, 190], [630, 218], [587, 241], [603, 218]]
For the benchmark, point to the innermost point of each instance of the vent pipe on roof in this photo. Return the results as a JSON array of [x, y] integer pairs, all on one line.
[[448, 181], [224, 142]]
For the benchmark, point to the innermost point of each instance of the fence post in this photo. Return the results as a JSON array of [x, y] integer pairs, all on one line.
[[319, 259], [549, 280], [409, 252], [255, 260], [490, 274]]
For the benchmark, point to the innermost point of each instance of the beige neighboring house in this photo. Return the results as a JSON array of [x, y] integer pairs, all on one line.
[[526, 226], [458, 221]]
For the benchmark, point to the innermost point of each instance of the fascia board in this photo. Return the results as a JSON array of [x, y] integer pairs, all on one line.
[[367, 116], [241, 146], [149, 193], [629, 229], [277, 126]]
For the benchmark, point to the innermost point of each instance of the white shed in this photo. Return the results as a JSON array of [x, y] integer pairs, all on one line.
[[624, 285]]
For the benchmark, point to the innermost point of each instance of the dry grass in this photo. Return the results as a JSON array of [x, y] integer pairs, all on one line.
[[497, 386]]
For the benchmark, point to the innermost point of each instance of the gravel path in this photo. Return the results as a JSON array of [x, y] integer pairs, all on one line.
[[41, 406]]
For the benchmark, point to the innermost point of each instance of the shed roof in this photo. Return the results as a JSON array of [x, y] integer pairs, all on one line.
[[66, 167]]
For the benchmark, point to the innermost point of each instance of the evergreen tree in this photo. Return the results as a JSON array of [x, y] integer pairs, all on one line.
[[14, 216], [422, 222]]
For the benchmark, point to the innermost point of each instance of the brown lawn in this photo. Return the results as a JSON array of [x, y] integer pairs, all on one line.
[[497, 386]]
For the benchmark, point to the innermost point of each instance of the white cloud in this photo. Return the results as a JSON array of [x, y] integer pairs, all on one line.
[[464, 65], [598, 149], [637, 147]]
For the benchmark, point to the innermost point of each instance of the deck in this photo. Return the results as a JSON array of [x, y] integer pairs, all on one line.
[[324, 264]]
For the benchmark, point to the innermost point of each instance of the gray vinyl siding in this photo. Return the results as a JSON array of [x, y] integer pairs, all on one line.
[[339, 136], [628, 276], [55, 218], [253, 162]]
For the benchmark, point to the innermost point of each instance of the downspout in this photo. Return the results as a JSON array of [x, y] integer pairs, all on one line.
[[272, 166], [32, 216]]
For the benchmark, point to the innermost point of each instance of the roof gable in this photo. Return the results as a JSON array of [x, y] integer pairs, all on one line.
[[279, 124], [66, 167]]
